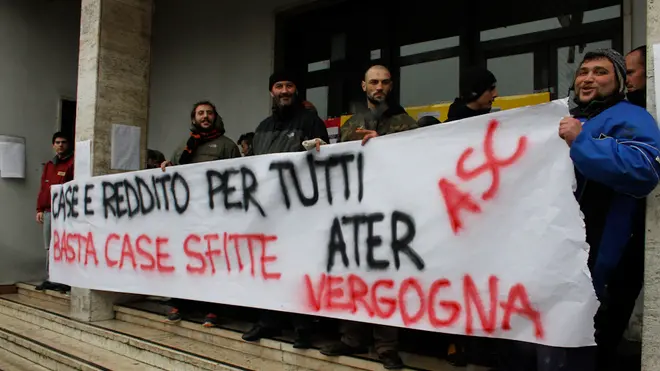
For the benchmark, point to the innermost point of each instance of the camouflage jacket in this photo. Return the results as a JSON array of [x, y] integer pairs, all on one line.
[[393, 120]]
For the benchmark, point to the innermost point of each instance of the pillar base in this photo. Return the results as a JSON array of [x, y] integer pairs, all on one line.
[[94, 305]]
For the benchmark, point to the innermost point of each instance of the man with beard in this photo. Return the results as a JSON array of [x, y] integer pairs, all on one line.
[[614, 148], [290, 124], [381, 118], [207, 142], [636, 76]]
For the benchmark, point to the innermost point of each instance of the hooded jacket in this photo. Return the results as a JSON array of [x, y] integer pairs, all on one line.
[[220, 148]]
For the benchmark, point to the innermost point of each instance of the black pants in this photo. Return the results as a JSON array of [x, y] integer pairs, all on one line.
[[190, 307], [274, 319]]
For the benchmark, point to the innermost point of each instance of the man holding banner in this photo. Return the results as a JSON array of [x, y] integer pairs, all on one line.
[[291, 123], [206, 142], [614, 147], [381, 119]]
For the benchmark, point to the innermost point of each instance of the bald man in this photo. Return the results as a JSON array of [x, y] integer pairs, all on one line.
[[636, 76], [381, 118]]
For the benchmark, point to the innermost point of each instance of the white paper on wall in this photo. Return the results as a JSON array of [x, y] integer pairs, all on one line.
[[83, 160], [125, 151], [12, 157]]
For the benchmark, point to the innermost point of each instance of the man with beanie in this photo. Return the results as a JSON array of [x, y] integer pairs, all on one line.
[[636, 76], [59, 170], [206, 142], [381, 118], [290, 124], [478, 90], [614, 148]]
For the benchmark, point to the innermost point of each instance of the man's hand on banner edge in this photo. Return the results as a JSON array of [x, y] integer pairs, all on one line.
[[367, 134], [314, 143], [165, 164]]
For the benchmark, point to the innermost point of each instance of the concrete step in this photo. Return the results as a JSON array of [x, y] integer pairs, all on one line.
[[149, 353], [56, 351], [28, 289], [10, 361], [243, 353]]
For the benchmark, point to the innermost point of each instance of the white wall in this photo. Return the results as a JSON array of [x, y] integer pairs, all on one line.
[[38, 64], [216, 50]]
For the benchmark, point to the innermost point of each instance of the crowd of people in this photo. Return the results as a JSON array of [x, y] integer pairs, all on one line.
[[613, 144]]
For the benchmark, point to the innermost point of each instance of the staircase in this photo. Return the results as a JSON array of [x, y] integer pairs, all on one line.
[[37, 334]]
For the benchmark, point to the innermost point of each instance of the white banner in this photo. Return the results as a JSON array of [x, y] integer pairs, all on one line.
[[467, 228]]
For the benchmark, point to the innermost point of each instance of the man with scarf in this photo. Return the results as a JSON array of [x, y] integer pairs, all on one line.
[[477, 94], [614, 148], [59, 170], [290, 124], [206, 142], [381, 117]]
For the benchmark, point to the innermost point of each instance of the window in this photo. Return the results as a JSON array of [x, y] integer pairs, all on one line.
[[514, 73], [548, 24], [428, 46], [430, 82], [319, 98], [318, 66]]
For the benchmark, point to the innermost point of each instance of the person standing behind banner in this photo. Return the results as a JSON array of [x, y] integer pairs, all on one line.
[[477, 93], [59, 170], [381, 118], [636, 76], [478, 90], [614, 147], [206, 142], [245, 142], [285, 130]]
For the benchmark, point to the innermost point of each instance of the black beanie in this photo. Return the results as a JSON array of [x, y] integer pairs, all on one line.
[[475, 82], [281, 76]]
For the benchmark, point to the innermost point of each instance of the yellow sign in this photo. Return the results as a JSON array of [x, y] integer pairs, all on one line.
[[502, 103]]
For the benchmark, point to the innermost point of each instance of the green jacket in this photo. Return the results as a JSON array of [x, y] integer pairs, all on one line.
[[220, 148], [393, 120]]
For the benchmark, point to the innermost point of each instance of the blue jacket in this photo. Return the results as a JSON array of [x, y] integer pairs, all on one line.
[[617, 164]]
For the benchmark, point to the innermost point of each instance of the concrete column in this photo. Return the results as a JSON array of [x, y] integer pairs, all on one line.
[[651, 324], [113, 88]]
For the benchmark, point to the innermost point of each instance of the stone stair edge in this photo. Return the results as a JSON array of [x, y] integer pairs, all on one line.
[[17, 362], [32, 287], [361, 363], [43, 350], [112, 335]]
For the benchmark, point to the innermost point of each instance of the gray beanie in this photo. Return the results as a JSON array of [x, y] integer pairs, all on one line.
[[617, 60]]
